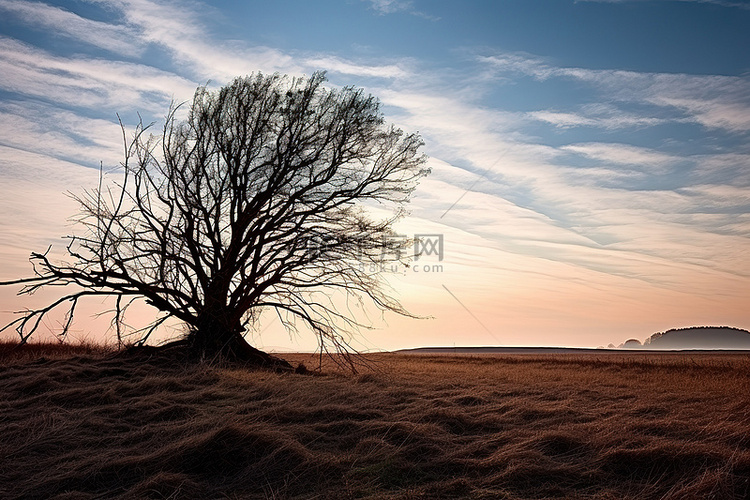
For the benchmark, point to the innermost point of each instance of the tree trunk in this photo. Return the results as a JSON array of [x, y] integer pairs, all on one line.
[[213, 340]]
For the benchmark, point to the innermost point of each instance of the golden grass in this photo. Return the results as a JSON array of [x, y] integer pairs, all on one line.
[[12, 351], [629, 425]]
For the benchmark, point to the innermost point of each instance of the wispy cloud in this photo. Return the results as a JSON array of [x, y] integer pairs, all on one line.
[[622, 154], [600, 115], [339, 65], [714, 101], [390, 6], [384, 7], [86, 82], [181, 30], [59, 22], [61, 134], [34, 207]]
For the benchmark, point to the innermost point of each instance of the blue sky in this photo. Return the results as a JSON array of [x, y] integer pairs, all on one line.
[[591, 159]]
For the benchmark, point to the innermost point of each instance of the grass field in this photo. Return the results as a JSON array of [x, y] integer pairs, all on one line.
[[81, 424]]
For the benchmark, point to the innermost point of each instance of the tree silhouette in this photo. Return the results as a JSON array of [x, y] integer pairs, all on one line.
[[257, 200]]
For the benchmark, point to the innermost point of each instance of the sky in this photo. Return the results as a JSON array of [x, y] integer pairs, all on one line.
[[590, 158]]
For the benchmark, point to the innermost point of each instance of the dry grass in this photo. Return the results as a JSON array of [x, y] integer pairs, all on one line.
[[12, 351], [513, 426]]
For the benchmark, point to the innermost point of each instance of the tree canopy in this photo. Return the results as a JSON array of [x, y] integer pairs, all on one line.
[[257, 199]]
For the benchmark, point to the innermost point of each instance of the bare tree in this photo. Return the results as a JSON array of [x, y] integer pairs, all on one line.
[[257, 200]]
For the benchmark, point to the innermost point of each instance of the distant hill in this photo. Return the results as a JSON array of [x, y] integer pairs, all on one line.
[[631, 344], [701, 337]]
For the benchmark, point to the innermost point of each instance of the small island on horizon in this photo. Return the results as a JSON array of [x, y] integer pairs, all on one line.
[[695, 337]]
